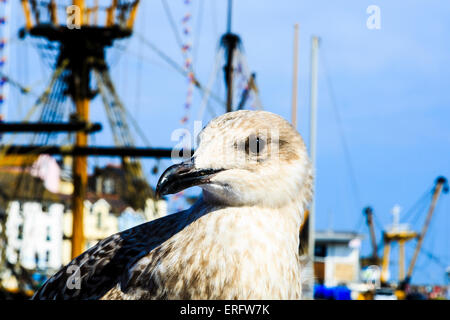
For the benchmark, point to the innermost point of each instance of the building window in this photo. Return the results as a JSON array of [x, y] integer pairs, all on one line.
[[98, 185], [36, 260], [99, 220], [47, 256], [20, 232], [48, 238], [320, 250], [108, 186]]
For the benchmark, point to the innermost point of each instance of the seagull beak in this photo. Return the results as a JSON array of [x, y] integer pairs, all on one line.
[[182, 176]]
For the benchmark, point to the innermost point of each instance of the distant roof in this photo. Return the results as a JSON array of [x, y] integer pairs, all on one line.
[[18, 184], [118, 205], [336, 236]]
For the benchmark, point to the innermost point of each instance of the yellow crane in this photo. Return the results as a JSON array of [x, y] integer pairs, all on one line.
[[401, 236], [441, 186], [373, 259]]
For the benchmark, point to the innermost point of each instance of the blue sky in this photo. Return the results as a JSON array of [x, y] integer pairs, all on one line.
[[389, 85]]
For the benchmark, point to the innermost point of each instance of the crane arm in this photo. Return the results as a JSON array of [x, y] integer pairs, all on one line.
[[441, 186]]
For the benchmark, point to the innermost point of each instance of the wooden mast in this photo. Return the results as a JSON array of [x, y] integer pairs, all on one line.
[[79, 170], [79, 164]]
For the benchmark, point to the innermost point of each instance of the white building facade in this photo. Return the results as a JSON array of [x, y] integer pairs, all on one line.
[[337, 258], [39, 236], [35, 235]]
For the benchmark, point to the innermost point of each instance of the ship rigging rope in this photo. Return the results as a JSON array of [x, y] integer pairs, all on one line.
[[432, 257], [189, 70], [198, 29], [345, 145], [179, 69], [47, 50], [47, 111], [39, 102], [172, 24], [186, 49], [138, 100], [212, 77], [116, 116], [359, 224], [50, 113], [55, 109], [23, 89], [137, 128], [413, 214], [377, 222]]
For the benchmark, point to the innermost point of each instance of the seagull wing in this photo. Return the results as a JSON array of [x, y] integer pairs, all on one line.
[[99, 269]]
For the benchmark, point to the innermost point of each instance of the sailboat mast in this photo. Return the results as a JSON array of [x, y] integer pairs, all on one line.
[[313, 134], [230, 42], [229, 15]]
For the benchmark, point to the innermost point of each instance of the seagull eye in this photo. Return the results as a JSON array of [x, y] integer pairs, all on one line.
[[254, 145]]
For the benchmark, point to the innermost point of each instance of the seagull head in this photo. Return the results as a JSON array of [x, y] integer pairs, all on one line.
[[245, 158]]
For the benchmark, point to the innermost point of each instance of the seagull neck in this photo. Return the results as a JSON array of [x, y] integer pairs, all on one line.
[[287, 218]]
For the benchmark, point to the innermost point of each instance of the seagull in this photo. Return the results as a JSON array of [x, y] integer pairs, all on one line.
[[240, 240]]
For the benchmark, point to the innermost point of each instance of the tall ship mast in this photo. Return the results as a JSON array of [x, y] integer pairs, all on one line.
[[78, 35]]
